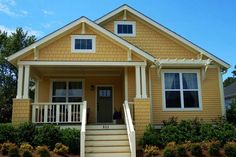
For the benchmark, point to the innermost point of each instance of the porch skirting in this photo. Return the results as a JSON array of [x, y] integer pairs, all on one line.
[[141, 117], [21, 111]]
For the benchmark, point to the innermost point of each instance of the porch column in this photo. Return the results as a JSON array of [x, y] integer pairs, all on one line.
[[138, 86], [126, 84], [26, 82], [19, 82], [144, 88]]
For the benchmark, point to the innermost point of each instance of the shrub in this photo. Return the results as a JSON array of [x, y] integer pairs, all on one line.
[[181, 151], [151, 150], [6, 147], [231, 112], [25, 133], [169, 152], [214, 148], [48, 134], [61, 149], [230, 149], [13, 151], [7, 133], [0, 147], [170, 121], [43, 151], [151, 137], [71, 138], [26, 150], [196, 150]]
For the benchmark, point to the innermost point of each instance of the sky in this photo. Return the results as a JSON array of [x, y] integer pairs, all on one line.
[[211, 24]]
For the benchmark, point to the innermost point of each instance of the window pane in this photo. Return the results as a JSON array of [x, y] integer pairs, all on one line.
[[77, 44], [75, 89], [130, 29], [124, 29], [89, 43], [83, 44], [190, 81], [173, 99], [59, 89], [191, 99], [75, 99], [119, 28], [172, 81], [58, 99]]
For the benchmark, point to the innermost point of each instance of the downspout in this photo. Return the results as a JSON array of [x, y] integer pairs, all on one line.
[[220, 73]]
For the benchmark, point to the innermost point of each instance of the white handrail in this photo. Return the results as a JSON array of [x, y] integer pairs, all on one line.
[[130, 129], [83, 130]]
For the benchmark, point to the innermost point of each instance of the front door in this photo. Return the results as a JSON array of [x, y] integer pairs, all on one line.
[[104, 104]]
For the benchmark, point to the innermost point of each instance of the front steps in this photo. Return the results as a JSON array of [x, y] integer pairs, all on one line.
[[106, 141]]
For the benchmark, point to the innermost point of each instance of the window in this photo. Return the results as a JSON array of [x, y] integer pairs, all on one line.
[[125, 28], [67, 91], [181, 90], [83, 43]]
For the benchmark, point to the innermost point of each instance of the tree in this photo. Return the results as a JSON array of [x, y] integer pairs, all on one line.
[[232, 79], [231, 112], [10, 44]]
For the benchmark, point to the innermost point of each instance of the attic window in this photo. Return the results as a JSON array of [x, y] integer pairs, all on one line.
[[83, 43], [125, 28]]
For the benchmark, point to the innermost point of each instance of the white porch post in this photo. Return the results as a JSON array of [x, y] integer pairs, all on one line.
[[20, 82], [144, 87], [26, 82], [137, 76], [126, 84]]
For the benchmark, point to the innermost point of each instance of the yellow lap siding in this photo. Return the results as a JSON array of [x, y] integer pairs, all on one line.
[[211, 105]]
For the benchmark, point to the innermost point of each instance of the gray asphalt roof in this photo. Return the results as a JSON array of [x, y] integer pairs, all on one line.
[[230, 90]]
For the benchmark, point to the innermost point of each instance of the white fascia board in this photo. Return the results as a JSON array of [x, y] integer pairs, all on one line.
[[164, 29], [75, 63]]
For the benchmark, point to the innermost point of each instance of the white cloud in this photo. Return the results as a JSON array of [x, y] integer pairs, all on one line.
[[6, 10], [24, 12], [8, 7], [46, 25], [47, 12], [30, 31]]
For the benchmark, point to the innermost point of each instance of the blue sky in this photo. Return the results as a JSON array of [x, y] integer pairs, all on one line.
[[211, 24]]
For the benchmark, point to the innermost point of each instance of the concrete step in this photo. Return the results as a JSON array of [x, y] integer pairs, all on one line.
[[97, 127], [107, 154], [112, 149], [107, 143], [107, 132], [106, 137]]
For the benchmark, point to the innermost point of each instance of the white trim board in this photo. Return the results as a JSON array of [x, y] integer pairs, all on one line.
[[73, 63], [74, 24], [164, 29]]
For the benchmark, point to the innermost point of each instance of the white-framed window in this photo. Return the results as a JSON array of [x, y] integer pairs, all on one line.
[[83, 43], [181, 90], [125, 28], [67, 91]]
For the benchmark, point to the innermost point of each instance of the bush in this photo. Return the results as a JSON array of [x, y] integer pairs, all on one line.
[[196, 150], [26, 133], [7, 133], [43, 151], [214, 148], [230, 149], [181, 151], [151, 150], [14, 151], [231, 112], [6, 147], [169, 152], [150, 137], [71, 138], [61, 149], [26, 150], [48, 135]]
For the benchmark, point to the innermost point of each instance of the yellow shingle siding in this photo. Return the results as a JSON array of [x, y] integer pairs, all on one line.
[[21, 111], [153, 41], [211, 105]]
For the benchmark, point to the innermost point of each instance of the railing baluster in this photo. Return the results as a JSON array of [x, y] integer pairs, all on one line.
[[69, 113], [80, 112], [57, 113], [33, 114], [45, 113]]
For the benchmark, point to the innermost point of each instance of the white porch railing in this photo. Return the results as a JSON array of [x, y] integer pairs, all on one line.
[[57, 112], [130, 129], [83, 129]]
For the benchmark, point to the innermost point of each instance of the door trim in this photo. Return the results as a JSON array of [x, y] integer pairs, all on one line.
[[112, 88]]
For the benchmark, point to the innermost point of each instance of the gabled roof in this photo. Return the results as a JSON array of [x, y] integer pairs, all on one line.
[[230, 90], [164, 29], [72, 25]]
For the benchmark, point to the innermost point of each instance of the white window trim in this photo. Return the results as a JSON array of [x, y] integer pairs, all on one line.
[[181, 90], [67, 82], [73, 37], [133, 23]]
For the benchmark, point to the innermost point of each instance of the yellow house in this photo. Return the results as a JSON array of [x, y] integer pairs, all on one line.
[[87, 72]]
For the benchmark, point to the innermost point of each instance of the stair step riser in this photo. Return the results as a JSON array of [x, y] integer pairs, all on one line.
[[106, 132], [107, 149], [106, 143], [106, 137], [97, 127], [107, 154]]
